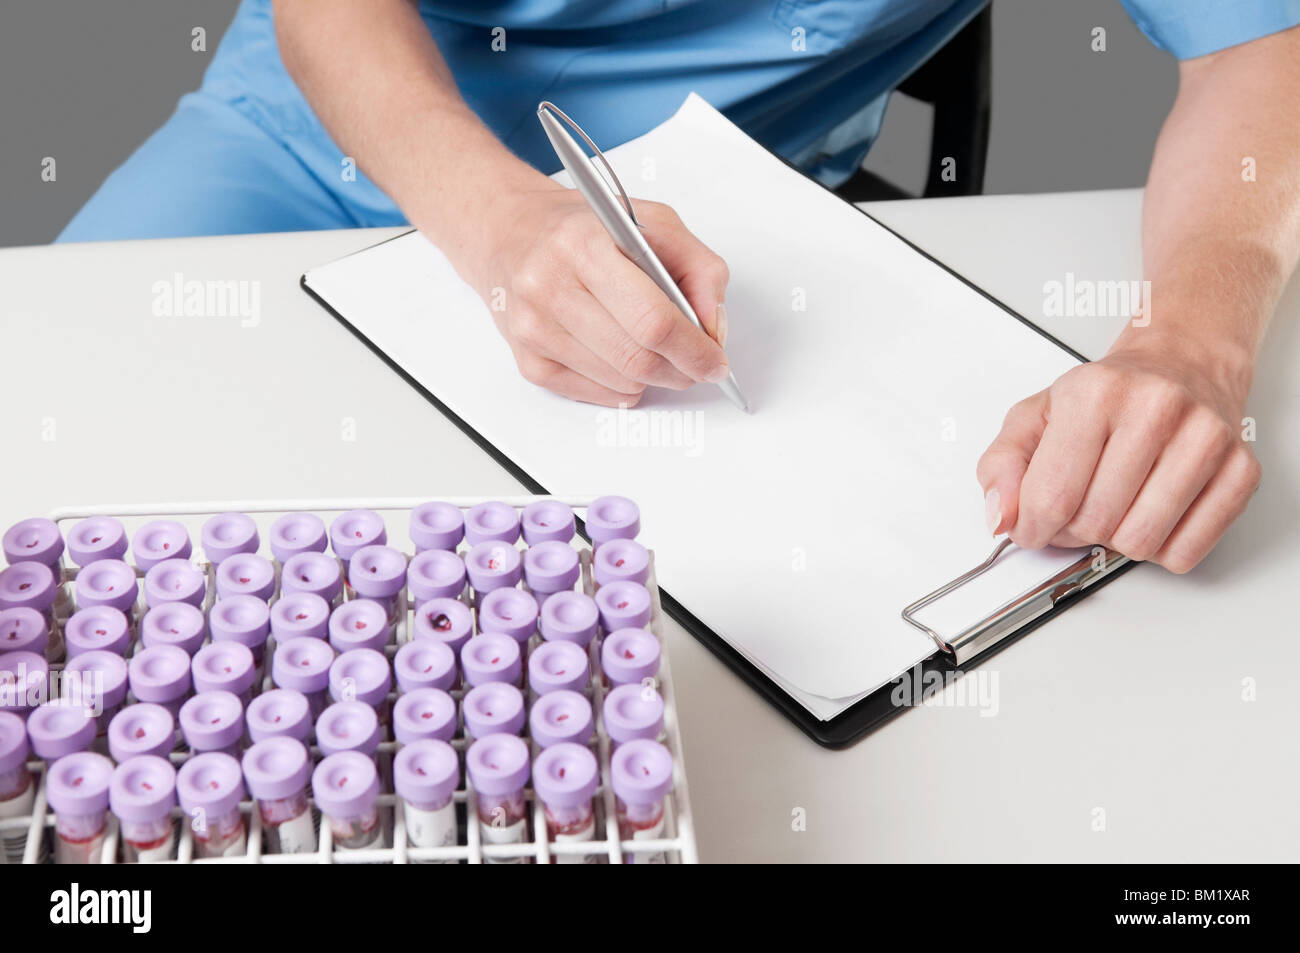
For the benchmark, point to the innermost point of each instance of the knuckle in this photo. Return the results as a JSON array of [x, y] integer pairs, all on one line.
[[1049, 503], [638, 364], [535, 370], [1244, 467], [1136, 540], [1092, 525], [653, 327], [1179, 560], [527, 327]]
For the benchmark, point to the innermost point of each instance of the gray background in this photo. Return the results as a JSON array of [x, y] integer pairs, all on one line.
[[86, 81]]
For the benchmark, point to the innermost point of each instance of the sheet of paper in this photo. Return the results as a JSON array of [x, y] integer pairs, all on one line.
[[877, 379]]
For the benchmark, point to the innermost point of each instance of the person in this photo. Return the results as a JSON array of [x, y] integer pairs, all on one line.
[[342, 113]]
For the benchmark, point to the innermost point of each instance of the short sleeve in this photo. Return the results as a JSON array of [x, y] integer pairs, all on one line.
[[1190, 28]]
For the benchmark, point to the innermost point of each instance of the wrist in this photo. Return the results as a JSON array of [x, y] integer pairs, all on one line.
[[1223, 362]]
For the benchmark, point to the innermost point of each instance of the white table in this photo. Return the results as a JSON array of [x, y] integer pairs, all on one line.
[[1129, 704]]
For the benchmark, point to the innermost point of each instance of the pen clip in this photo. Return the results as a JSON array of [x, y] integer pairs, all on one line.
[[612, 179]]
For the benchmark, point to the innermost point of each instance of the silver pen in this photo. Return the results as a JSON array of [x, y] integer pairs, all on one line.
[[618, 218]]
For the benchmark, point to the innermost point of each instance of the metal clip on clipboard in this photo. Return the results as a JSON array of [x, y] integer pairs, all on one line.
[[1020, 611]]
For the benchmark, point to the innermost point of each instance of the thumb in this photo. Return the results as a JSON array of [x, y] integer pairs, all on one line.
[[1002, 467]]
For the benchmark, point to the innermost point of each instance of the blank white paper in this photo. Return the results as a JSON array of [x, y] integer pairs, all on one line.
[[877, 379]]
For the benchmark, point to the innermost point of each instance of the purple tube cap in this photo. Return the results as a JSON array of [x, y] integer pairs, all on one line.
[[345, 784], [359, 624], [498, 764], [623, 605], [492, 708], [158, 540], [78, 783], [298, 614], [60, 727], [348, 726], [547, 521], [23, 630], [377, 572], [435, 574], [302, 665], [558, 666], [279, 713], [245, 619], [621, 560], [612, 517], [174, 623], [24, 681], [570, 617], [444, 620], [491, 521], [97, 628], [174, 580], [160, 673], [96, 679], [246, 574], [493, 564], [641, 772], [437, 526], [211, 782], [142, 729], [565, 775], [354, 529], [633, 711], [143, 789], [277, 767], [13, 741], [424, 713], [511, 612], [559, 718], [362, 675], [425, 663], [490, 658], [96, 538], [296, 533], [313, 572], [551, 567], [630, 656], [426, 772], [38, 540], [212, 721], [228, 534], [107, 582], [223, 666], [29, 584]]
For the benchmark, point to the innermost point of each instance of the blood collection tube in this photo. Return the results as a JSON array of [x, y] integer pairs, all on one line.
[[623, 605], [161, 674], [210, 787], [493, 564], [158, 540], [277, 771], [379, 573], [550, 567], [511, 612], [228, 534], [303, 665], [96, 538], [630, 657], [174, 623], [565, 778], [97, 628], [24, 630], [498, 769], [558, 666], [435, 574], [641, 774], [246, 574], [491, 521], [141, 729], [612, 517], [562, 717], [436, 526], [547, 521], [17, 786], [362, 675], [425, 776], [633, 712], [493, 708], [30, 585], [60, 727], [108, 582], [425, 663], [346, 787], [491, 658], [141, 795], [444, 620], [355, 529], [245, 619], [569, 617], [225, 666], [97, 680], [76, 787], [424, 713], [359, 624], [298, 614], [279, 713], [213, 721], [174, 580], [621, 560], [24, 682], [39, 540], [295, 533], [348, 726], [313, 572]]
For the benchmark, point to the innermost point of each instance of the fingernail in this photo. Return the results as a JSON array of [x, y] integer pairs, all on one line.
[[993, 510], [722, 324], [718, 374]]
